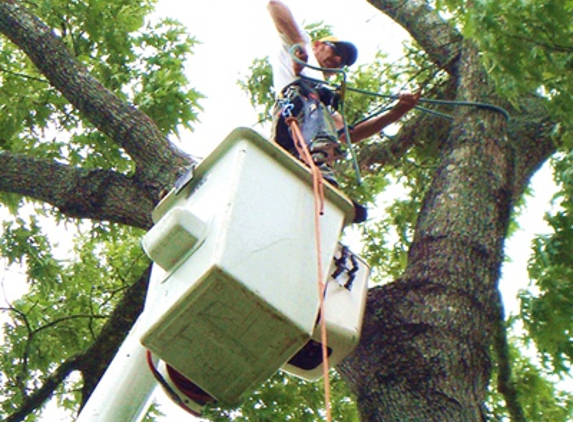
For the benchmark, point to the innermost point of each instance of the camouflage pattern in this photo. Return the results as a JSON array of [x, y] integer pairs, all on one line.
[[302, 101]]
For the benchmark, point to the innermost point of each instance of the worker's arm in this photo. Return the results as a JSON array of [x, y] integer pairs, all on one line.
[[363, 130], [287, 26]]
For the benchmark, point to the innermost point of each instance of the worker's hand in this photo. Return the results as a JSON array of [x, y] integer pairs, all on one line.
[[407, 101], [301, 54]]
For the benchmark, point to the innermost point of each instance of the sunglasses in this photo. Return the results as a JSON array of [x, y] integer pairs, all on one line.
[[337, 50]]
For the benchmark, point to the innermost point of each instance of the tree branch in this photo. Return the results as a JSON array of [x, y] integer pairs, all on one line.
[[19, 379], [420, 129], [505, 384], [42, 394], [436, 36], [94, 361], [431, 330], [66, 318], [390, 152], [549, 46], [97, 358], [530, 130], [158, 161], [22, 75], [78, 193]]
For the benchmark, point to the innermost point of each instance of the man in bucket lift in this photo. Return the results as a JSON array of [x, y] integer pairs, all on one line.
[[312, 104]]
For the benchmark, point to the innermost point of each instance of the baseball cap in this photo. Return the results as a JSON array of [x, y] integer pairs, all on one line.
[[347, 50]]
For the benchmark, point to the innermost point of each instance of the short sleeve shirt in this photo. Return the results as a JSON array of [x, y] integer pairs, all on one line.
[[282, 65]]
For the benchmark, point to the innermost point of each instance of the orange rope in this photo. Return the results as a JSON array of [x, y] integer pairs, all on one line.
[[318, 188]]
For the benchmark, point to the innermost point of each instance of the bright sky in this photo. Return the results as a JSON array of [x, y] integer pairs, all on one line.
[[233, 33]]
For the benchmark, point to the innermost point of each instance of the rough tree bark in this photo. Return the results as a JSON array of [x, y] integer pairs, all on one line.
[[76, 192], [432, 328], [424, 353], [102, 195]]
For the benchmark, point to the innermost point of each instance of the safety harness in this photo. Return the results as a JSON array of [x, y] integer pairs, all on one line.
[[309, 104]]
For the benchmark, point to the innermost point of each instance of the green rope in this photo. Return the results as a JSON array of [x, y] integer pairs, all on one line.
[[343, 88], [434, 112], [350, 147], [441, 102], [395, 97]]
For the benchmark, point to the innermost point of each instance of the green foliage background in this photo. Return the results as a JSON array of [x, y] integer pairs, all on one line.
[[526, 47], [74, 286]]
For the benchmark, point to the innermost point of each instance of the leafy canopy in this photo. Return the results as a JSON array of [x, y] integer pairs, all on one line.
[[525, 47], [73, 287], [525, 50]]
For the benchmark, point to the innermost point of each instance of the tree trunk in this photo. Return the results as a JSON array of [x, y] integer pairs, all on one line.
[[425, 344], [426, 339]]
